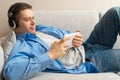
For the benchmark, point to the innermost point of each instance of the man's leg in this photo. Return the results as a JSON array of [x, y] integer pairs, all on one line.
[[107, 60], [106, 30], [99, 45]]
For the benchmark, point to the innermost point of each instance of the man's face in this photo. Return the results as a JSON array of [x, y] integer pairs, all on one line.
[[26, 22]]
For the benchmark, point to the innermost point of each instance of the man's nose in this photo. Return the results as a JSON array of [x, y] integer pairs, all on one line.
[[33, 22]]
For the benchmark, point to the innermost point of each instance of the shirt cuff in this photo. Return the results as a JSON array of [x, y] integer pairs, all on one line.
[[44, 61]]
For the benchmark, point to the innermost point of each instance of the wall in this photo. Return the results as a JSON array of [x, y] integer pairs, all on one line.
[[55, 5]]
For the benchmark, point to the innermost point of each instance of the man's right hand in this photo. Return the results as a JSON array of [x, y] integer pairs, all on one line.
[[58, 48]]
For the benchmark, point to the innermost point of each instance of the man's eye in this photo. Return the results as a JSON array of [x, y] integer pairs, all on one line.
[[26, 19], [33, 18]]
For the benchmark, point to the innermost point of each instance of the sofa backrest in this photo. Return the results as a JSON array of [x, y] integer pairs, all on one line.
[[69, 20]]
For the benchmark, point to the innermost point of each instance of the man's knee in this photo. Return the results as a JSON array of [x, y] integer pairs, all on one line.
[[114, 10]]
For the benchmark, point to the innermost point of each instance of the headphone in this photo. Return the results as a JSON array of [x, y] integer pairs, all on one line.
[[13, 9], [13, 24]]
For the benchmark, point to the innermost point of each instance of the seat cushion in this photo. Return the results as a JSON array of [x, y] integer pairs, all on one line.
[[63, 76]]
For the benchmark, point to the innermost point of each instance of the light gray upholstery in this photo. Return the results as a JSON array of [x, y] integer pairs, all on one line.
[[61, 76], [69, 20]]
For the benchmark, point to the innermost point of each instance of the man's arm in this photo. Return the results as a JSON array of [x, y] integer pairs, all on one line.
[[23, 64]]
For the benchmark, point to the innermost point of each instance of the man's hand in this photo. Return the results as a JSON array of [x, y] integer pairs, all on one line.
[[58, 48], [77, 40]]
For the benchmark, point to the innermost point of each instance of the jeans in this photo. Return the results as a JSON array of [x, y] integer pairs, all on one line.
[[99, 45]]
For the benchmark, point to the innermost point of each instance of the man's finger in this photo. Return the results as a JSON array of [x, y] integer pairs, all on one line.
[[77, 31], [64, 39]]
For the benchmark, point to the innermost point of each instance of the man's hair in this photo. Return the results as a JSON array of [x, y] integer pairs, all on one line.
[[14, 11]]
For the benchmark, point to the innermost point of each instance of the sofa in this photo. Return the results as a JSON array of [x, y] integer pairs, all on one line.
[[69, 20]]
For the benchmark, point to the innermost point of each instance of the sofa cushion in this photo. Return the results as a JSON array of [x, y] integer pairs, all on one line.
[[69, 20], [63, 76]]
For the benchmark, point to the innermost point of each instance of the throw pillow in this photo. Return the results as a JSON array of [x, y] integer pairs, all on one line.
[[1, 61], [8, 43]]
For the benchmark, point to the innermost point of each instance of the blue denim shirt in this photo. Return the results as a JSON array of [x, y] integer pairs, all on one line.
[[29, 57]]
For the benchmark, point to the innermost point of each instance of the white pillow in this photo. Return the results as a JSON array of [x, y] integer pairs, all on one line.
[[1, 60], [8, 43]]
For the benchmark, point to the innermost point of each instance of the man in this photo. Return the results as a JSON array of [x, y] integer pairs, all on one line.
[[31, 54]]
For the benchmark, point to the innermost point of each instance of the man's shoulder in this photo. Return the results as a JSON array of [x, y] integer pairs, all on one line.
[[40, 27]]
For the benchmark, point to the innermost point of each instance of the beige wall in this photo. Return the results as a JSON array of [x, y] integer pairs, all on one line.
[[56, 5]]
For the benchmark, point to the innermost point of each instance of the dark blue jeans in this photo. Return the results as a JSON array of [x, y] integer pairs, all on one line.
[[99, 45]]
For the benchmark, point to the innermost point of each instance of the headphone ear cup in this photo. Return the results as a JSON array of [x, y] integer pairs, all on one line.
[[14, 24]]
